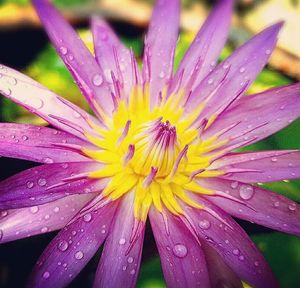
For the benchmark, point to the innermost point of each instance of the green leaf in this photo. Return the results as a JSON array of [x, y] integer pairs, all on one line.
[[283, 254]]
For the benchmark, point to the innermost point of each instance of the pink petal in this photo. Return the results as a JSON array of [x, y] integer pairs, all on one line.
[[55, 110], [231, 242], [182, 258], [76, 56], [230, 79], [47, 183], [265, 166], [120, 261], [255, 204], [39, 144], [112, 55], [206, 46], [160, 45], [219, 273], [25, 222], [256, 117], [72, 248]]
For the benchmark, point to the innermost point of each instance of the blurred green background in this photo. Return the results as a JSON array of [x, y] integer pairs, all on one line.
[[19, 25]]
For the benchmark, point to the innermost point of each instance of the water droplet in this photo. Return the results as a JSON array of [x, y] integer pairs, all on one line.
[[87, 217], [65, 165], [210, 81], [242, 258], [242, 69], [1, 234], [29, 184], [268, 51], [122, 241], [79, 255], [46, 275], [37, 103], [47, 216], [24, 138], [130, 260], [44, 229], [256, 263], [56, 209], [63, 50], [76, 114], [34, 209], [292, 207], [132, 272], [124, 268], [63, 245], [204, 224], [274, 159], [276, 204], [4, 213], [42, 182], [48, 160], [236, 251], [180, 250], [234, 184], [162, 74], [97, 80], [12, 81], [225, 66], [246, 192], [103, 231]]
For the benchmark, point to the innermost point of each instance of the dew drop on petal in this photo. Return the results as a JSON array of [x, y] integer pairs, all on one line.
[[97, 80], [204, 224], [242, 69], [246, 192], [29, 184], [46, 275], [48, 160], [34, 209], [63, 245], [180, 250], [42, 182], [4, 213], [292, 207], [132, 272], [268, 51], [161, 74], [276, 204], [24, 138], [130, 260], [79, 255], [56, 209], [87, 217], [44, 229], [236, 251], [274, 159], [63, 50], [234, 184], [122, 241]]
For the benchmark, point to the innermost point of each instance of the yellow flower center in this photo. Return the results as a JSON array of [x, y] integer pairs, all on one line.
[[158, 154]]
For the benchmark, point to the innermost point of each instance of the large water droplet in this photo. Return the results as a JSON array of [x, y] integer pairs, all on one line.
[[246, 192], [63, 245], [180, 250], [79, 255], [97, 80]]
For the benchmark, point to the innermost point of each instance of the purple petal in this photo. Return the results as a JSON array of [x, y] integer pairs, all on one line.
[[256, 117], [181, 256], [39, 144], [231, 242], [255, 204], [72, 249], [47, 183], [25, 222], [266, 166], [76, 56], [55, 110], [219, 273], [206, 46], [120, 261], [112, 55], [160, 45], [230, 79]]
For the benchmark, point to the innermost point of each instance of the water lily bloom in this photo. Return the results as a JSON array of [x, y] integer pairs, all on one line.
[[159, 146]]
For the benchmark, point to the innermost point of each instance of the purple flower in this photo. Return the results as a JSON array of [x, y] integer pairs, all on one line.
[[160, 145]]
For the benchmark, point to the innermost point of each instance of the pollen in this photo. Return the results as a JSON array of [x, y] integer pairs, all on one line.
[[156, 153]]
